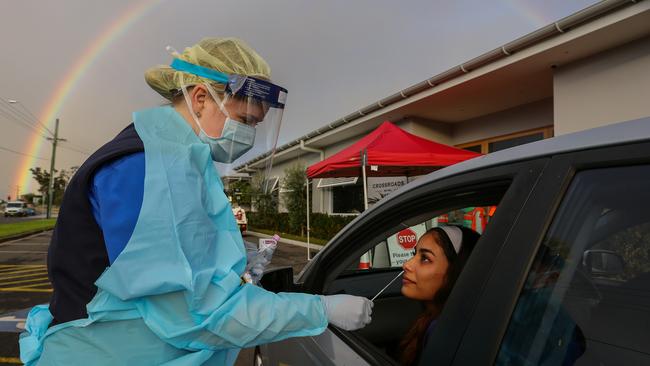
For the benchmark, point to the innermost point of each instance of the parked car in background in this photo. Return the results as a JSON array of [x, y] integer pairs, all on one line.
[[16, 208], [30, 211], [240, 217], [560, 274]]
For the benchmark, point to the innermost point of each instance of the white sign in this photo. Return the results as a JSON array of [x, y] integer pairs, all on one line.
[[402, 244], [380, 187]]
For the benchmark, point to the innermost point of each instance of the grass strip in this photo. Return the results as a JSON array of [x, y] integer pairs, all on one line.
[[290, 236], [23, 227]]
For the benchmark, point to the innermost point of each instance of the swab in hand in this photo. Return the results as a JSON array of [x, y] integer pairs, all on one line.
[[385, 287]]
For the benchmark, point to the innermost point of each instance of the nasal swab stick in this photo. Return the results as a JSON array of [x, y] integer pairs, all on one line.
[[385, 287]]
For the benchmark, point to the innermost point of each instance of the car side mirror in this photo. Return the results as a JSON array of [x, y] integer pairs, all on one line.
[[603, 262], [278, 280]]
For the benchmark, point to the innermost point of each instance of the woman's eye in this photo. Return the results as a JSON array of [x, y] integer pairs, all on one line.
[[424, 259]]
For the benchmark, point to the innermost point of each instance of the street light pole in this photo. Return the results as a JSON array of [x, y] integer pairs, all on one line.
[[50, 190]]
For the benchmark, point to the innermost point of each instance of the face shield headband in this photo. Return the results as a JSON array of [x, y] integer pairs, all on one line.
[[238, 85]]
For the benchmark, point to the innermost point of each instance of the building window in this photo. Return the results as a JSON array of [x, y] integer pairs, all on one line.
[[515, 141], [347, 199], [474, 148], [507, 141]]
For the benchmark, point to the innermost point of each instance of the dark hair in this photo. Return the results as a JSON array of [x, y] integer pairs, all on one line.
[[412, 342]]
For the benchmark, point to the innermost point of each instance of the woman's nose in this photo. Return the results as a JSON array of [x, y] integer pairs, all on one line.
[[407, 266]]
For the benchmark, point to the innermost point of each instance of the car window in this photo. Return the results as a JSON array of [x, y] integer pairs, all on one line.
[[586, 298], [377, 269], [397, 248]]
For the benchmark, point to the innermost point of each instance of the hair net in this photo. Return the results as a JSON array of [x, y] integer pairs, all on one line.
[[227, 55]]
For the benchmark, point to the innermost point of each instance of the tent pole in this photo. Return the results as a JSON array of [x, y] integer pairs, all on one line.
[[308, 252], [364, 261], [364, 156]]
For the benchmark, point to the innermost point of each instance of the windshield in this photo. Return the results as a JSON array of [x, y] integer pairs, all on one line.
[[14, 205]]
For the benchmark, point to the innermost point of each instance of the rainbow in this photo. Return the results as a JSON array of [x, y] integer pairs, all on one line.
[[534, 16], [119, 26]]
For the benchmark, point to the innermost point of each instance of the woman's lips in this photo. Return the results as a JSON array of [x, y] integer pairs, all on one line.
[[406, 281]]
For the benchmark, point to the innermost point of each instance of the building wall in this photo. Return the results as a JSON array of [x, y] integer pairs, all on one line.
[[521, 118], [432, 130], [609, 87], [306, 159]]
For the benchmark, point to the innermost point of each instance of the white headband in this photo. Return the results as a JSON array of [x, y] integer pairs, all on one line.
[[455, 236]]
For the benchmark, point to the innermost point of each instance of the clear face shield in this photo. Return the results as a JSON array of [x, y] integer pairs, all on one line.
[[253, 111]]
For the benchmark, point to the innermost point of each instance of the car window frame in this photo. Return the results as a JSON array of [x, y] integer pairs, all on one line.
[[484, 336], [520, 176]]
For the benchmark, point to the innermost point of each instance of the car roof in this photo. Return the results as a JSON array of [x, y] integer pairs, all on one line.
[[615, 134]]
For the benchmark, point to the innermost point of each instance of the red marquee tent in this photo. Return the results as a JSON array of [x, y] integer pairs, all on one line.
[[388, 151], [393, 151]]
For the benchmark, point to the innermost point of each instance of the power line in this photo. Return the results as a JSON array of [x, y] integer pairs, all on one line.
[[73, 149], [30, 117], [20, 153], [38, 121], [12, 118]]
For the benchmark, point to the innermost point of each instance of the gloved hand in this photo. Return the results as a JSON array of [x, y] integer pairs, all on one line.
[[348, 312]]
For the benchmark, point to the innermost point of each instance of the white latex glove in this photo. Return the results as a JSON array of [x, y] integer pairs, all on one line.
[[348, 312]]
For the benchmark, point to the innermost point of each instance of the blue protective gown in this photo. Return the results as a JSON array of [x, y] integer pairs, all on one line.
[[173, 295]]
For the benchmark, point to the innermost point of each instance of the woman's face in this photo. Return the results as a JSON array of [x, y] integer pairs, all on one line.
[[212, 118], [425, 273]]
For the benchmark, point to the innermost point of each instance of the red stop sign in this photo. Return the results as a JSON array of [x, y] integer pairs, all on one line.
[[407, 239]]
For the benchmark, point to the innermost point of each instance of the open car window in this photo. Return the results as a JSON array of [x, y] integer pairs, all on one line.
[[371, 270]]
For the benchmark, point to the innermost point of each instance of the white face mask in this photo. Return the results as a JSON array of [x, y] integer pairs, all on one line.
[[236, 138]]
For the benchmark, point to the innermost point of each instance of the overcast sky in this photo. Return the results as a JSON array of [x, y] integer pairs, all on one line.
[[333, 56]]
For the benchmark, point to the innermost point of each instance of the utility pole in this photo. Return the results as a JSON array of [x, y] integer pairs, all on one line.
[[50, 190], [17, 192]]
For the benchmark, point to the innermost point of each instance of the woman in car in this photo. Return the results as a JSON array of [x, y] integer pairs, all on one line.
[[440, 256]]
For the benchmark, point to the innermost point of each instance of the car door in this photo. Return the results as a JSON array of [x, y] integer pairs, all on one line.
[[335, 269], [552, 297]]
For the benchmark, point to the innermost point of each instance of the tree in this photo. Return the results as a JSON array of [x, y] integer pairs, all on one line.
[[42, 177], [293, 183], [263, 198], [241, 192]]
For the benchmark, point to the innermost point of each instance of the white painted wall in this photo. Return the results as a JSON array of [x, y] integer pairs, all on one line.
[[525, 117], [432, 130], [609, 87]]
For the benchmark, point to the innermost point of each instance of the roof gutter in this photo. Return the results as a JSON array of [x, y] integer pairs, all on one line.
[[554, 29], [311, 149]]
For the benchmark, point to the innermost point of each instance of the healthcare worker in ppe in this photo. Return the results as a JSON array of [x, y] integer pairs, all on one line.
[[146, 258]]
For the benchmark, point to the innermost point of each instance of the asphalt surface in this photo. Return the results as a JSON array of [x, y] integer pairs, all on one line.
[[24, 283], [10, 219]]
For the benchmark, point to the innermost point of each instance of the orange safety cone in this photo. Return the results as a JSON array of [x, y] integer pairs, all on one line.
[[364, 262]]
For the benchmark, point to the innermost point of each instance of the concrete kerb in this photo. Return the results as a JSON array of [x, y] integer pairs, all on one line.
[[285, 241], [23, 235]]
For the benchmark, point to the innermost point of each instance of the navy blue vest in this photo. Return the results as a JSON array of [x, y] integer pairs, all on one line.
[[77, 254]]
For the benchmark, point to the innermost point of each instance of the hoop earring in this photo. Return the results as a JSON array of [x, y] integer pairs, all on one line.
[[198, 114]]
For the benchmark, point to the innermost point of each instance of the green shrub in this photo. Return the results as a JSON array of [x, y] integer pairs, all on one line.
[[294, 183], [323, 226]]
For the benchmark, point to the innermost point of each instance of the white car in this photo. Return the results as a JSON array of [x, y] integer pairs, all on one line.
[[16, 208], [240, 217]]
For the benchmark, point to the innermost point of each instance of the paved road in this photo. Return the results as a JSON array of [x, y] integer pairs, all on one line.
[[10, 219], [24, 283]]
